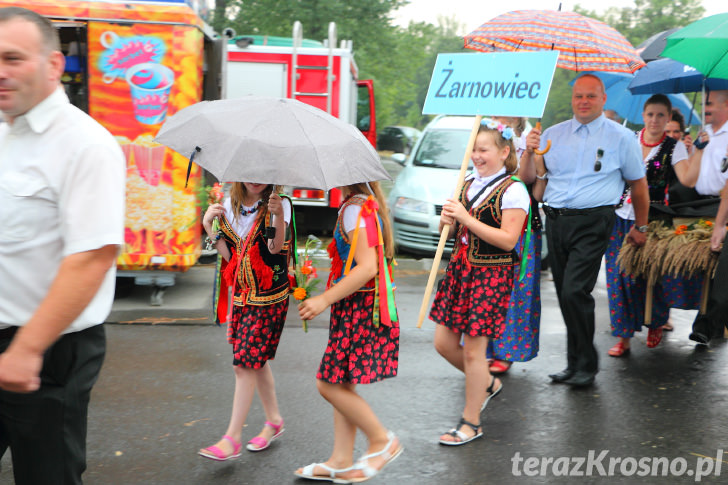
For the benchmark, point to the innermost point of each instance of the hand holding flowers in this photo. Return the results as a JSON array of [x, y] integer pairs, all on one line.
[[305, 278]]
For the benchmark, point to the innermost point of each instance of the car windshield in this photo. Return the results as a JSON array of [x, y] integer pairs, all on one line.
[[442, 149]]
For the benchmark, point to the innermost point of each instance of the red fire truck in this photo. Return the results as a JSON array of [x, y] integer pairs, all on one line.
[[316, 73]]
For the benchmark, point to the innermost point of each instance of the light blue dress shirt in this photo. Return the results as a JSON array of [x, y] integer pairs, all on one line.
[[572, 181]]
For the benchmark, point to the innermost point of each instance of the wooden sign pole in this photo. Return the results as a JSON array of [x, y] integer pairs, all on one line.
[[446, 228]]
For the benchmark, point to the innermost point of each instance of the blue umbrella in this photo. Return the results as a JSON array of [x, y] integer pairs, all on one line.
[[670, 76], [630, 106]]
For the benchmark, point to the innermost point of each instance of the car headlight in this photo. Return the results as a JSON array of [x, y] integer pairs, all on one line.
[[413, 205]]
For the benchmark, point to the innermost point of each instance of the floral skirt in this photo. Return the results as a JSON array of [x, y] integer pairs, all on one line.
[[255, 331], [358, 352], [519, 341], [473, 300], [628, 294]]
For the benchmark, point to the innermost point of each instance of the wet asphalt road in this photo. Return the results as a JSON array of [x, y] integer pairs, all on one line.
[[166, 388]]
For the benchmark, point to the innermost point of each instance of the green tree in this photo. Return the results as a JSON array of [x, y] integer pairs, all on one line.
[[637, 23], [399, 60], [648, 17], [403, 79]]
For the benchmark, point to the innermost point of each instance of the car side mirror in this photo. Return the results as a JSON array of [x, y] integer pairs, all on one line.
[[399, 158]]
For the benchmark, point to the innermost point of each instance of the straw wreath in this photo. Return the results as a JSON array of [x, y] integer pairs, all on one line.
[[682, 251]]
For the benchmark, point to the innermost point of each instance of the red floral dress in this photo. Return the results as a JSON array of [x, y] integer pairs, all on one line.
[[357, 351], [473, 299]]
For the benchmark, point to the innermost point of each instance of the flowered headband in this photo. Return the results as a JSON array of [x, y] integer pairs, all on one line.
[[505, 130]]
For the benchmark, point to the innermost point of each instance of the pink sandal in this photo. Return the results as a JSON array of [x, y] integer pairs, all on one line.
[[215, 453], [259, 443]]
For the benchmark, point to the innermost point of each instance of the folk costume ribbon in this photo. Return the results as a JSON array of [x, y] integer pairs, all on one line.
[[385, 310], [526, 238]]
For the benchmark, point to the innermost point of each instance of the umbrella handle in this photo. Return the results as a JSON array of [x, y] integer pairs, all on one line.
[[548, 142], [189, 166], [446, 229]]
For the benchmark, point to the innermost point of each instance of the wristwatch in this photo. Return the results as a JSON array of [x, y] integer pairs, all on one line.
[[642, 229]]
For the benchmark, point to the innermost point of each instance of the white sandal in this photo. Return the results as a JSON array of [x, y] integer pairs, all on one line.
[[308, 472], [363, 462]]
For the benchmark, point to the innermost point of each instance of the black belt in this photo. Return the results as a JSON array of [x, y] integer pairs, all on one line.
[[553, 211], [8, 333]]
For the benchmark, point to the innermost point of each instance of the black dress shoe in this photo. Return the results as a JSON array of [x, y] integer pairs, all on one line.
[[699, 337], [580, 379], [701, 330], [562, 376]]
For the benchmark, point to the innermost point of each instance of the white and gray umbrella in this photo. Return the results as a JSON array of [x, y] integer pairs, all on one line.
[[272, 141]]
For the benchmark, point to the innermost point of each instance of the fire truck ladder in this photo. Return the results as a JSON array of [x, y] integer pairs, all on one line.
[[329, 68]]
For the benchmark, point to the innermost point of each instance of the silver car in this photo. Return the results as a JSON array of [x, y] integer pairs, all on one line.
[[428, 178]]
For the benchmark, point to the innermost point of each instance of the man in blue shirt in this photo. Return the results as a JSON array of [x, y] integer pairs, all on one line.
[[587, 165]]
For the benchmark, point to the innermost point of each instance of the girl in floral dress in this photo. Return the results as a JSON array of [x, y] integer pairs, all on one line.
[[472, 299], [363, 345], [667, 162], [255, 265]]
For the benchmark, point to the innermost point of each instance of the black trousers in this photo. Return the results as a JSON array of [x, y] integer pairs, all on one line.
[[577, 241], [716, 316], [46, 429]]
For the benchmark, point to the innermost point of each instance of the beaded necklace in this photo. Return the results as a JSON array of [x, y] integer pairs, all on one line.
[[650, 145], [244, 212]]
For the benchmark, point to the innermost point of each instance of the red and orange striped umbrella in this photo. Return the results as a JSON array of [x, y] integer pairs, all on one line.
[[584, 44]]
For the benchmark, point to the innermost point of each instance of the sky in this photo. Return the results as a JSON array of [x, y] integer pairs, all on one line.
[[472, 13]]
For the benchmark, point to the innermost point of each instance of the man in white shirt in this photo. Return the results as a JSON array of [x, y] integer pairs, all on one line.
[[62, 213], [712, 180]]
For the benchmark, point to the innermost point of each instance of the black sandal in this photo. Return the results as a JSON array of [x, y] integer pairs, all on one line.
[[491, 393], [456, 433]]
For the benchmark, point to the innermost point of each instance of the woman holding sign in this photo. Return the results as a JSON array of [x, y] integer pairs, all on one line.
[[472, 299]]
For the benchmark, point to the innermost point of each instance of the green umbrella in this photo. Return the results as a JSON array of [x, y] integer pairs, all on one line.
[[703, 45]]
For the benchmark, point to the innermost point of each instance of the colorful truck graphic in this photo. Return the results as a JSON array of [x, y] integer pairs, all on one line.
[[130, 65]]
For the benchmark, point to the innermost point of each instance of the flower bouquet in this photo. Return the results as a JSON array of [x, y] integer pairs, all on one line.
[[305, 278], [208, 195]]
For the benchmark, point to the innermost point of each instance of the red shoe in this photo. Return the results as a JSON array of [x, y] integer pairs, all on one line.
[[654, 337], [619, 350], [500, 366]]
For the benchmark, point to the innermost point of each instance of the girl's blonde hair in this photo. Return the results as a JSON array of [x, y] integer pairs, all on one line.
[[238, 192], [383, 212], [511, 161]]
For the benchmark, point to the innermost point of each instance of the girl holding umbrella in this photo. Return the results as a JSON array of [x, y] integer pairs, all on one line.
[[252, 241]]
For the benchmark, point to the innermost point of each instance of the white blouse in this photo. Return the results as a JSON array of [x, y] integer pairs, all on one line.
[[244, 223], [351, 213], [515, 197]]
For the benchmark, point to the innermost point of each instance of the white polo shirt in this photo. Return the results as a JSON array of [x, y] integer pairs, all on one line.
[[62, 191], [711, 180]]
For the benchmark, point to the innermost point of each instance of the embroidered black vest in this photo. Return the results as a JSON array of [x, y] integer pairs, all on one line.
[[481, 253], [263, 277], [660, 173]]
